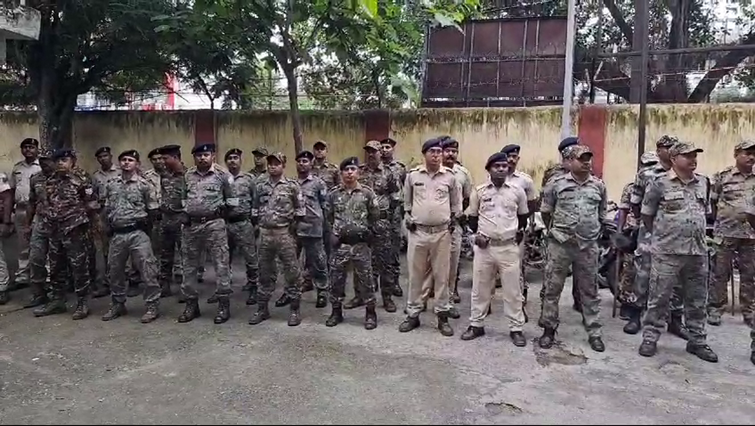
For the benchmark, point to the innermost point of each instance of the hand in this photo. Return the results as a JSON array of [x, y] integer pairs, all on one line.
[[481, 241], [411, 226]]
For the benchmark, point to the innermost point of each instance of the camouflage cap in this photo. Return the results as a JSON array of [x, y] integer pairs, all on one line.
[[260, 151], [373, 144], [744, 145], [666, 141], [649, 158], [576, 151], [281, 157], [681, 148]]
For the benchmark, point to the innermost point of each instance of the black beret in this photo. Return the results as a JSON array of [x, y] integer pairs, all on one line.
[[495, 158], [449, 142], [511, 148], [305, 154], [570, 141], [156, 151], [205, 147], [29, 141], [129, 153], [64, 153], [170, 150], [233, 151], [431, 143], [390, 141], [102, 150], [351, 161]]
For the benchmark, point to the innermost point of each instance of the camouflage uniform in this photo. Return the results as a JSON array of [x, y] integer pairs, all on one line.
[[39, 241], [127, 203], [102, 242], [353, 217], [679, 252], [627, 295], [309, 230], [732, 191], [386, 189], [577, 211], [331, 176], [241, 229], [277, 206], [398, 169], [207, 198], [172, 188]]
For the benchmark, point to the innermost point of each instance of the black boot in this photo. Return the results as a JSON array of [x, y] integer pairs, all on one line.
[[517, 337], [116, 310], [648, 348], [397, 290], [596, 343], [409, 324], [453, 312], [294, 318], [165, 290], [354, 303], [262, 314], [252, 299], [224, 309], [443, 326], [677, 328], [52, 307], [370, 317], [625, 312], [4, 297], [633, 326], [151, 314], [336, 316], [283, 301], [82, 309], [704, 352], [577, 297], [35, 301], [388, 303], [473, 333], [547, 339], [191, 311], [322, 300]]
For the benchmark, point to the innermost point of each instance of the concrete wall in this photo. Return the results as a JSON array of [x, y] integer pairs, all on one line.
[[610, 131]]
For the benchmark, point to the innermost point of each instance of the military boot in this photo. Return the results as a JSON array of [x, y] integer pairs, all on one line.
[[409, 324], [388, 303], [52, 307], [354, 303], [191, 311], [165, 290], [294, 318], [4, 297], [37, 300], [648, 348], [370, 317], [577, 297], [322, 299], [633, 326], [336, 316], [473, 332], [453, 312], [82, 309], [398, 291], [252, 299], [224, 309], [677, 328], [116, 310], [151, 314], [443, 326], [548, 337], [262, 313], [625, 312], [704, 352], [283, 301]]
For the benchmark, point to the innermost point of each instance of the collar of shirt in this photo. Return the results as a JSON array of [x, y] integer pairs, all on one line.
[[111, 169], [213, 169], [308, 177], [133, 178], [442, 169], [589, 178], [490, 183], [672, 175], [358, 187], [33, 163]]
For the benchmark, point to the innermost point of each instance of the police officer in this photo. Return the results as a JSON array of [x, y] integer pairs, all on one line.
[[432, 202], [573, 208], [674, 213], [19, 183], [497, 214], [208, 198], [130, 209], [388, 146], [6, 203], [353, 216]]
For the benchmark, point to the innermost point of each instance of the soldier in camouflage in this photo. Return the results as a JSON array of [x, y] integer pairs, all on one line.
[[643, 258], [329, 174], [730, 195], [208, 197], [100, 178], [172, 188], [239, 222], [278, 205], [6, 203], [354, 214], [130, 208], [383, 183], [674, 210], [72, 209], [573, 208], [158, 168], [259, 169], [398, 169]]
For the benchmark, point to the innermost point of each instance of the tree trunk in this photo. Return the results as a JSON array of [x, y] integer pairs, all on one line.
[[55, 108], [293, 101]]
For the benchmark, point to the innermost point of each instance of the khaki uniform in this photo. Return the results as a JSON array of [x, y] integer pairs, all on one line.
[[431, 202], [20, 181], [680, 253], [497, 210], [732, 192], [577, 210]]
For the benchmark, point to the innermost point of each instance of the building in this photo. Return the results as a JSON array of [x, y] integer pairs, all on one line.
[[726, 16], [18, 23]]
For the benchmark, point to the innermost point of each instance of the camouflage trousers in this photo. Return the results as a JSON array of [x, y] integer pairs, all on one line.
[[743, 250], [277, 244], [669, 271], [137, 246], [642, 268], [241, 239], [382, 252], [103, 278], [70, 253], [360, 258], [626, 294], [582, 256], [315, 260], [39, 247], [394, 254], [169, 245], [196, 239]]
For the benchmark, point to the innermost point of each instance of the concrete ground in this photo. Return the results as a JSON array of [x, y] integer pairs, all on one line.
[[54, 370]]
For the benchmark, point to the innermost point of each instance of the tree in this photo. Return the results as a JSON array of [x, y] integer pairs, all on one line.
[[85, 45]]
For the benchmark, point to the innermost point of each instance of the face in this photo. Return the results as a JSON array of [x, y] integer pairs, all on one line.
[[685, 162], [662, 152], [203, 159], [303, 165], [233, 162], [745, 158], [513, 158], [65, 164], [433, 156], [157, 161], [583, 164], [450, 154], [320, 152], [350, 174], [499, 170], [29, 151], [171, 161], [259, 160], [47, 165], [128, 164], [105, 159], [386, 150], [372, 155], [274, 167]]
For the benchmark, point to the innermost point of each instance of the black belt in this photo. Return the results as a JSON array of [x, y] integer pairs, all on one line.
[[351, 239], [128, 228], [236, 219], [195, 220]]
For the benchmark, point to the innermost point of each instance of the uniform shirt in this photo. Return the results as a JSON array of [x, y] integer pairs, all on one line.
[[553, 171], [383, 183], [208, 193], [524, 181], [678, 209], [328, 172], [244, 185], [277, 204], [641, 181], [464, 178], [71, 196], [353, 211], [625, 204], [257, 172], [315, 195], [398, 169], [127, 200], [102, 177], [731, 191], [172, 188], [154, 178], [577, 209], [432, 197], [38, 197], [19, 179], [497, 209], [4, 186]]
